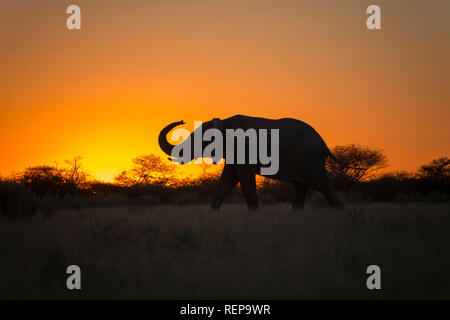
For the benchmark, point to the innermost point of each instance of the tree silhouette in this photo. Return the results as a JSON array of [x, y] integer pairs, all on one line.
[[74, 173], [147, 169], [43, 180], [437, 169], [46, 179], [123, 179], [358, 164]]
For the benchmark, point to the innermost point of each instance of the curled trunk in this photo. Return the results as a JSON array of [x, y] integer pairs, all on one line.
[[165, 145]]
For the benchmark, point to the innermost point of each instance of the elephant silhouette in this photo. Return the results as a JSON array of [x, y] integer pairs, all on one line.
[[302, 154]]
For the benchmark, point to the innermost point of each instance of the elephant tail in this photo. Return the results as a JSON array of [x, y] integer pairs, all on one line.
[[339, 162]]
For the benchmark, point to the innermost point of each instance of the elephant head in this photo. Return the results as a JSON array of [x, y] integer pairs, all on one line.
[[193, 145]]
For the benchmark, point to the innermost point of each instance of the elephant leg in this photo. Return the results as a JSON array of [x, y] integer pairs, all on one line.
[[333, 200], [227, 182], [321, 182], [247, 179], [301, 190]]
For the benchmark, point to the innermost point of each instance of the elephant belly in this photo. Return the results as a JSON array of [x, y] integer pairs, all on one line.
[[291, 168]]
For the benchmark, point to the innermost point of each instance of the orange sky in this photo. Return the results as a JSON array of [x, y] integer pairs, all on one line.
[[105, 91]]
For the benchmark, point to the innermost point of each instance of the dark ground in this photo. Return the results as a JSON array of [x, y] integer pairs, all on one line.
[[189, 252]]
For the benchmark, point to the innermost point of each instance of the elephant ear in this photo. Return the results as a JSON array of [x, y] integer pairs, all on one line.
[[217, 124]]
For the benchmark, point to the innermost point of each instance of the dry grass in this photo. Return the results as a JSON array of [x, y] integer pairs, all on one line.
[[189, 252]]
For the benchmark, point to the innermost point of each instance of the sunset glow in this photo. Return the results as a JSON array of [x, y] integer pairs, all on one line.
[[105, 92]]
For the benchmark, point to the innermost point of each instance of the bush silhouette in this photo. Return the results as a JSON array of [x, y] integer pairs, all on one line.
[[147, 169], [153, 180], [360, 164], [44, 180]]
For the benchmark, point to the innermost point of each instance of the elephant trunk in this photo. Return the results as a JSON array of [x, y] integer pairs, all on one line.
[[165, 145]]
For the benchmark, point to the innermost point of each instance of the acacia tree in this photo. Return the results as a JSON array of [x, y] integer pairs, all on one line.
[[147, 169], [437, 169], [43, 180], [74, 173], [357, 164], [46, 179], [123, 179]]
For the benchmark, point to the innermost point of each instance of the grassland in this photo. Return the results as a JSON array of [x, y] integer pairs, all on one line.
[[189, 252]]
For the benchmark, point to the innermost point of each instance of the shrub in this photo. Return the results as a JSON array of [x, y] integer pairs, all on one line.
[[16, 200]]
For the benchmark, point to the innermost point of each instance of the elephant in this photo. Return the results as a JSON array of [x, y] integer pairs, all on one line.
[[302, 156]]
